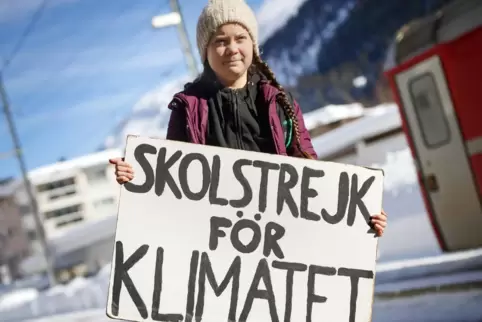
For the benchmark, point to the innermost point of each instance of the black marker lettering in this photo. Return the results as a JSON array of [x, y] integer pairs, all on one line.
[[163, 175], [356, 199], [284, 189], [355, 275], [273, 232], [216, 233], [183, 179], [312, 297], [290, 272], [262, 272], [139, 155], [255, 240], [121, 275], [213, 188], [343, 196], [156, 294], [307, 193], [263, 189], [206, 270], [248, 192], [191, 286]]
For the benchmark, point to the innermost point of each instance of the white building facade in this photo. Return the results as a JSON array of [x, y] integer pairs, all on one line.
[[72, 192]]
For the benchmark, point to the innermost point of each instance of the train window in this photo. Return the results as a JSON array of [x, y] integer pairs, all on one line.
[[429, 110]]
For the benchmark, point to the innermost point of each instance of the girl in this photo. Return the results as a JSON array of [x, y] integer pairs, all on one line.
[[237, 101]]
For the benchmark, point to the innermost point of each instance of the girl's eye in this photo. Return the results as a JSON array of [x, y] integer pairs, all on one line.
[[220, 41]]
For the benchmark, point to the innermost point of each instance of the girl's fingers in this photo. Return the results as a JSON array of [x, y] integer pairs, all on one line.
[[379, 222], [114, 161], [124, 174], [379, 229], [124, 168], [123, 179], [380, 217]]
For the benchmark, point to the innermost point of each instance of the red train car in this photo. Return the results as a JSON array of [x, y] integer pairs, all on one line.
[[437, 82]]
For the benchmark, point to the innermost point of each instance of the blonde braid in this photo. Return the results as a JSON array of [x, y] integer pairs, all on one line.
[[282, 100]]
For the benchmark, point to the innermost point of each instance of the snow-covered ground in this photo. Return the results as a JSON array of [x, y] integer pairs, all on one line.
[[453, 306]]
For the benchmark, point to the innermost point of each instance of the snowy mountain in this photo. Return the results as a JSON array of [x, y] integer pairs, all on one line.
[[149, 116], [324, 45]]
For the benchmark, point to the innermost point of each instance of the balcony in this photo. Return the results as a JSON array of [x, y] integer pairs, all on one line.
[[69, 219], [58, 198], [55, 223], [61, 192]]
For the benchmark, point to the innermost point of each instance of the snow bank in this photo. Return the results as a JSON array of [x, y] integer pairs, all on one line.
[[17, 298], [332, 113], [79, 295], [90, 294]]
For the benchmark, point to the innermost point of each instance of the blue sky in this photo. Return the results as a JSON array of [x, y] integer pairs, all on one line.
[[81, 70]]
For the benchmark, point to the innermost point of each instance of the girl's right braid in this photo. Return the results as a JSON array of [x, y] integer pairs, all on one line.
[[283, 100]]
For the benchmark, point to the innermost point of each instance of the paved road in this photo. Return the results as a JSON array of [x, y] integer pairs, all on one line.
[[460, 306], [453, 306]]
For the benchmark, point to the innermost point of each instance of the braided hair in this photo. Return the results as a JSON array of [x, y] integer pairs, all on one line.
[[282, 99]]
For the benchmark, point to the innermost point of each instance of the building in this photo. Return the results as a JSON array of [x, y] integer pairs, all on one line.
[[14, 245], [74, 191]]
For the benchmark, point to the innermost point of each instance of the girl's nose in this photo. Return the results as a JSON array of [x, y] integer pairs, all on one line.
[[232, 49]]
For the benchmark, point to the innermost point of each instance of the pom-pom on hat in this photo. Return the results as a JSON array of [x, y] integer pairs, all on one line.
[[220, 12]]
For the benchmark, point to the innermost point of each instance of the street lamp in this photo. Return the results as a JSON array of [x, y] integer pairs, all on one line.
[[167, 20], [175, 18]]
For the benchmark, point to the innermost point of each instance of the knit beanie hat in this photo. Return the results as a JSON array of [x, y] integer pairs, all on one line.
[[220, 12]]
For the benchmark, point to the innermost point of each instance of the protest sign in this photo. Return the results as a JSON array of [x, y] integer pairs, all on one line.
[[215, 234]]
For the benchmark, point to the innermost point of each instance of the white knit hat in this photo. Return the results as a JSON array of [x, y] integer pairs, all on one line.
[[220, 12]]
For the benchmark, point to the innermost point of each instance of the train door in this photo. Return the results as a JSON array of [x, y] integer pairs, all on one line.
[[442, 156]]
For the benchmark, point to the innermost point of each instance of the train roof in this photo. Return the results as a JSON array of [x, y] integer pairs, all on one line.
[[452, 21]]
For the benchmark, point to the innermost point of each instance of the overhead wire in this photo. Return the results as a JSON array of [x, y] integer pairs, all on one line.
[[76, 55], [28, 30]]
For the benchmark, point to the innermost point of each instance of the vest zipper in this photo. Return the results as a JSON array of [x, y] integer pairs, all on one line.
[[237, 121]]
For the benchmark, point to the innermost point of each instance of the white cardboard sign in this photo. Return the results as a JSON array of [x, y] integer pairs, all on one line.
[[213, 234]]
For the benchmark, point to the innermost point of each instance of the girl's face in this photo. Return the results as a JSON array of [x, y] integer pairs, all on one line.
[[230, 52]]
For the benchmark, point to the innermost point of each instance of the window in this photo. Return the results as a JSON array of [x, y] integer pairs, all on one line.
[[429, 111], [63, 193], [68, 222], [56, 184], [63, 211]]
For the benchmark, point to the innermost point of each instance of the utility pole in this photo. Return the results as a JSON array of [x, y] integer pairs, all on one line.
[[28, 186], [176, 18]]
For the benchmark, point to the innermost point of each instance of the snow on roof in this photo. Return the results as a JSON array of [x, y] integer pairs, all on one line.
[[375, 120], [332, 113], [43, 173]]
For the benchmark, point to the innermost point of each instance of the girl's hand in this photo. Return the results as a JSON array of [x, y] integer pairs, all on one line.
[[379, 223], [123, 170]]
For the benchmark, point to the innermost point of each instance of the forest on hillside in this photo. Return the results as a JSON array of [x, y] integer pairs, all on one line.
[[355, 45]]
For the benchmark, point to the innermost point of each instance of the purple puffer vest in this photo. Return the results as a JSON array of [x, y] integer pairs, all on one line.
[[189, 119]]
